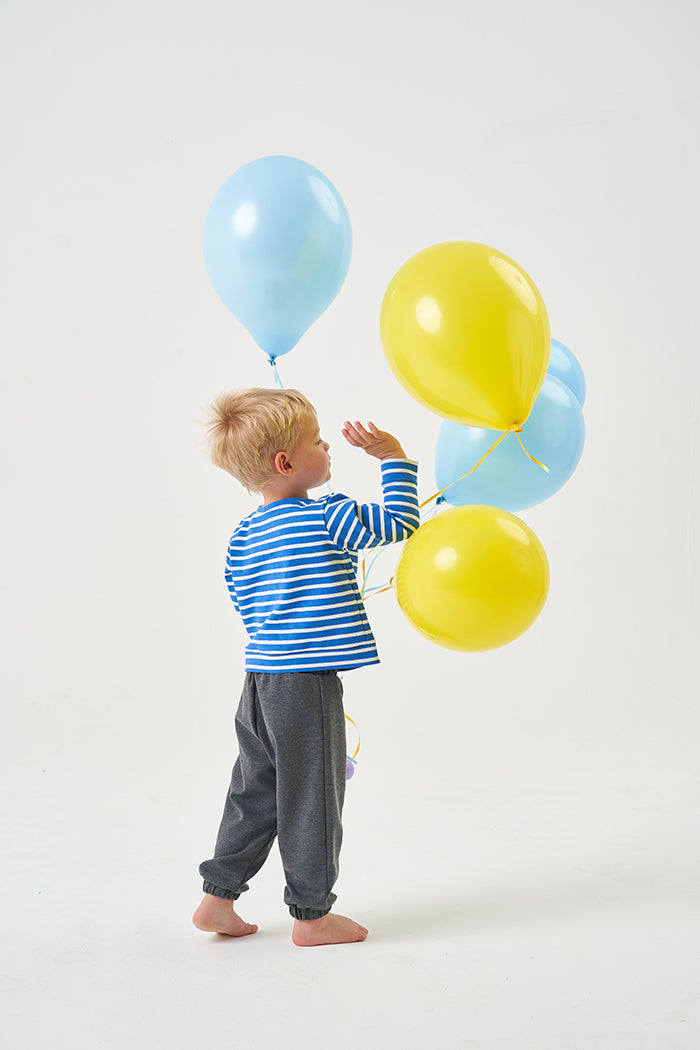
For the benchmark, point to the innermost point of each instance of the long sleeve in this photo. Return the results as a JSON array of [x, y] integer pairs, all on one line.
[[354, 526], [228, 576]]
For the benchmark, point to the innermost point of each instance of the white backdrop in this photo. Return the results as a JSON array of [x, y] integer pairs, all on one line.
[[549, 788]]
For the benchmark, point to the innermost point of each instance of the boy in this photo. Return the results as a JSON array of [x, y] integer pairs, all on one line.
[[291, 573]]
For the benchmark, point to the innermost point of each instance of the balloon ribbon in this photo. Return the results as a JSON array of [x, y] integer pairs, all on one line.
[[353, 756], [380, 590], [515, 428], [276, 374]]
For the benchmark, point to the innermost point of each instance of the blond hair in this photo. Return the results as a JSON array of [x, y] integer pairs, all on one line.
[[247, 428]]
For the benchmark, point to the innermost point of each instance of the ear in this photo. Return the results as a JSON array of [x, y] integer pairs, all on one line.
[[282, 465]]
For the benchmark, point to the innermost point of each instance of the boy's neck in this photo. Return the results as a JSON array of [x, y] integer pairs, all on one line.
[[274, 492]]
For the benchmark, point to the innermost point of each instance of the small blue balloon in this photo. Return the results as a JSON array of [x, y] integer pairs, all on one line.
[[349, 769], [553, 433], [564, 366], [277, 247]]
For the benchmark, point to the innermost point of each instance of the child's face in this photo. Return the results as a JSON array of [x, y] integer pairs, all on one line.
[[311, 461]]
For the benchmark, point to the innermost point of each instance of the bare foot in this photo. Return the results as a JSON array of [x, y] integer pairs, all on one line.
[[216, 915], [330, 929]]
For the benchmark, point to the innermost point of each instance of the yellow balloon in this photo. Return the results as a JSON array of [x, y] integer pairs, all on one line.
[[472, 578], [466, 331]]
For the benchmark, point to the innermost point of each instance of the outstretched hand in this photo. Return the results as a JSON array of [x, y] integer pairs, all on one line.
[[375, 442]]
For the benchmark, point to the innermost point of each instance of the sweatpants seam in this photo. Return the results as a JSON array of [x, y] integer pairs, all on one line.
[[325, 785], [267, 847]]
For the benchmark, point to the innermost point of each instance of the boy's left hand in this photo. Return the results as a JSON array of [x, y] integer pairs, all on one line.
[[375, 442]]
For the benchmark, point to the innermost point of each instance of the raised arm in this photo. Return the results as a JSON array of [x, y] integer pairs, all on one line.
[[354, 526]]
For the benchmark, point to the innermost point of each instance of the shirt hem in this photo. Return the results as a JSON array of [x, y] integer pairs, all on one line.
[[341, 666]]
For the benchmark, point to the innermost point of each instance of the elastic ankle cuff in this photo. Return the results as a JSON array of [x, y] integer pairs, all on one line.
[[216, 891], [306, 914]]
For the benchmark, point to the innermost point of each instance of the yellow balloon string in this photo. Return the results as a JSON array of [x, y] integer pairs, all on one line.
[[355, 753], [515, 428], [388, 587], [518, 431]]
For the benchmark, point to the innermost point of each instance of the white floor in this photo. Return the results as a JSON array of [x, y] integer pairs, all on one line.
[[519, 916]]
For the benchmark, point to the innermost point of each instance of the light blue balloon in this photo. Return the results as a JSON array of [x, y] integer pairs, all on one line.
[[553, 433], [565, 367], [277, 247]]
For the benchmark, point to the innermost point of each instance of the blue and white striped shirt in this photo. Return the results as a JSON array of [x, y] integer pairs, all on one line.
[[291, 571]]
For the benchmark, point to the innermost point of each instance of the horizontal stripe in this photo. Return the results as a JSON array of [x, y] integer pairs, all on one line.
[[254, 541], [281, 559], [302, 618], [311, 654], [344, 589], [347, 639], [260, 574], [353, 629], [324, 621]]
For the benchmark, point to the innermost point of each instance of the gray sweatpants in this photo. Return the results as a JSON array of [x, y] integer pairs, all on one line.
[[288, 782]]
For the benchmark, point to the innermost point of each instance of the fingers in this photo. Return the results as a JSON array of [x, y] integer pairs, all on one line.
[[364, 434], [351, 434], [357, 435], [375, 442]]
